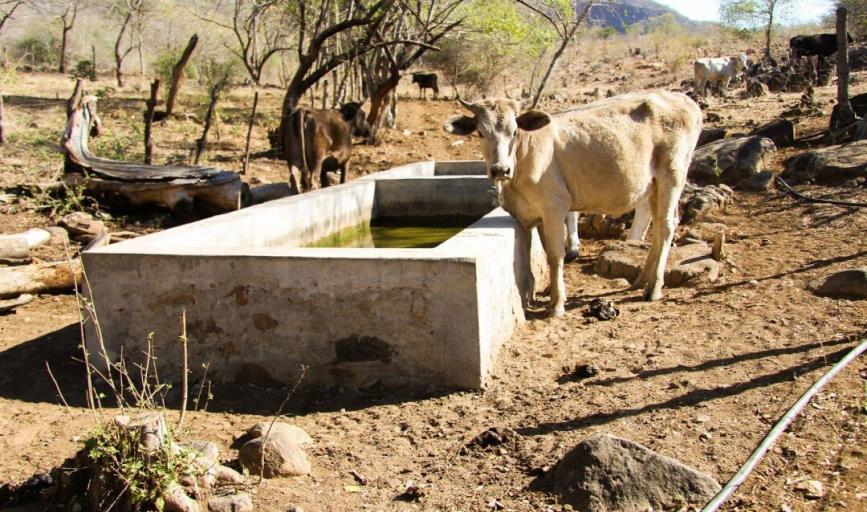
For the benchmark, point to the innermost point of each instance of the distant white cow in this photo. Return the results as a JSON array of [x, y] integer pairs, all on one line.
[[721, 69], [608, 157]]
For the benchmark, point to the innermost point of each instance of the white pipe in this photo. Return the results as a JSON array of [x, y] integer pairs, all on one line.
[[779, 428]]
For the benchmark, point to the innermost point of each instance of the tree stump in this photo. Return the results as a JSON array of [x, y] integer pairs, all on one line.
[[113, 182]]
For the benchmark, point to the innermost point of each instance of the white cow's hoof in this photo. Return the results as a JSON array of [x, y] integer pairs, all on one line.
[[571, 255], [652, 294], [559, 312]]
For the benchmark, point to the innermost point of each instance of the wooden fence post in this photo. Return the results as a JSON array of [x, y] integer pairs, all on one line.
[[149, 121]]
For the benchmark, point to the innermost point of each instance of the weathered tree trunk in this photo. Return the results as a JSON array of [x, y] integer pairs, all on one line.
[[178, 74], [149, 121], [842, 115], [118, 56], [250, 133], [93, 63], [2, 130], [768, 30], [61, 68], [378, 104], [39, 278], [16, 248], [68, 23], [72, 102], [180, 188], [200, 144]]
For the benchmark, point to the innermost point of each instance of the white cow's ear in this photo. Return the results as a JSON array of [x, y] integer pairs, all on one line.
[[533, 120], [460, 125]]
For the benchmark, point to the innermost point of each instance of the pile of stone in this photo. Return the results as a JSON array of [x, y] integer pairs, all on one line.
[[688, 264]]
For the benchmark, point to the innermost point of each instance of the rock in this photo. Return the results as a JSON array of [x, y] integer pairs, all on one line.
[[828, 166], [709, 135], [203, 453], [781, 131], [712, 117], [812, 489], [239, 502], [755, 89], [284, 450], [283, 456], [607, 473], [759, 182], [697, 202], [602, 226], [580, 372], [296, 434], [687, 264], [731, 160], [706, 231], [82, 226], [848, 284]]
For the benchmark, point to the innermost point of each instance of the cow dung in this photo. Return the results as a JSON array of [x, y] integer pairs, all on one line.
[[607, 473]]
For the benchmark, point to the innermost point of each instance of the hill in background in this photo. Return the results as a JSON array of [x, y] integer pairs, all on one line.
[[620, 14]]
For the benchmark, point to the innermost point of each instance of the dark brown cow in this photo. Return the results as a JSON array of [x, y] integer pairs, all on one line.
[[320, 141], [426, 81]]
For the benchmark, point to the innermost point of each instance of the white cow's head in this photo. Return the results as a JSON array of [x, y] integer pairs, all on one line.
[[741, 62], [498, 122]]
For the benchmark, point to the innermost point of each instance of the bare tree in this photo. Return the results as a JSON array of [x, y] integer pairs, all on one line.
[[68, 15], [259, 27], [178, 74], [318, 25], [562, 18], [129, 10], [7, 9], [740, 13], [412, 28]]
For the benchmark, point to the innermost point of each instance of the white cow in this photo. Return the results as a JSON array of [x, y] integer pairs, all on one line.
[[607, 157], [721, 69]]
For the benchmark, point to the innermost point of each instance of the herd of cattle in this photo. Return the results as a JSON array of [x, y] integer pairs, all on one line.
[[628, 152]]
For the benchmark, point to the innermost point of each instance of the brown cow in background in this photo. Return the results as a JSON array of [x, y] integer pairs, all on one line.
[[320, 141]]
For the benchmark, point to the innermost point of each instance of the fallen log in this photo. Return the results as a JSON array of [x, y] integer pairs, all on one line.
[[178, 188], [56, 277], [16, 248], [7, 306]]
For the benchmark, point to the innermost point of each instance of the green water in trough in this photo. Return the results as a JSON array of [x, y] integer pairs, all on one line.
[[400, 233]]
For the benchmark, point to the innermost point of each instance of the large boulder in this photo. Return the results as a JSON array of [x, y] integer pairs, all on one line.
[[848, 284], [687, 264], [281, 450], [828, 166], [731, 161], [607, 474]]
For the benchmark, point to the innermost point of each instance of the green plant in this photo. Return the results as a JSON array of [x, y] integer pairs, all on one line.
[[37, 50], [67, 199], [83, 69]]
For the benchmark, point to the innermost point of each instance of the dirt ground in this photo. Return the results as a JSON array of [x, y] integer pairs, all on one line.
[[699, 376]]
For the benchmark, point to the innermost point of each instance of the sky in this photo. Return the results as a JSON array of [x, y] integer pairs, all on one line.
[[802, 11]]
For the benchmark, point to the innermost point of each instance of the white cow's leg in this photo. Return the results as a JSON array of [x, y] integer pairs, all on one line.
[[573, 243], [644, 276], [640, 221], [725, 87], [699, 86], [553, 234], [669, 185]]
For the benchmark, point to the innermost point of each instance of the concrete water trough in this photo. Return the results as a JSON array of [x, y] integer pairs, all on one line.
[[260, 301]]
